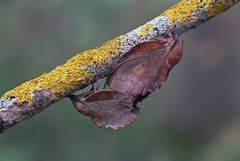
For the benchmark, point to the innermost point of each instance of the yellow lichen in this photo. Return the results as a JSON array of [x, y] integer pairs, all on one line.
[[217, 7], [68, 77], [145, 29], [182, 12]]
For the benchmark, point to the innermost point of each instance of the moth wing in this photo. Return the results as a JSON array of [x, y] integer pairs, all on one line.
[[114, 114], [137, 76], [106, 95], [107, 108], [143, 48], [170, 60]]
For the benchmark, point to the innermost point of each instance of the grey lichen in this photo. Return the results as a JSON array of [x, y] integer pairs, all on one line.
[[157, 27]]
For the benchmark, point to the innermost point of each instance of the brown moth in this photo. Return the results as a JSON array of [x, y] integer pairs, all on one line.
[[141, 71], [107, 108], [146, 67]]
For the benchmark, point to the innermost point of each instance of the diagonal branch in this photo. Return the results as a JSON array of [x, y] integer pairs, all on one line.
[[34, 96]]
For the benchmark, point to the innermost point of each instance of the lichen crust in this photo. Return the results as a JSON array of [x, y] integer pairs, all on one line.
[[149, 31], [188, 14], [68, 77]]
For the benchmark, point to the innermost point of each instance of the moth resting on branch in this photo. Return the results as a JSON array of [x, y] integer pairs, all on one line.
[[141, 71], [33, 96]]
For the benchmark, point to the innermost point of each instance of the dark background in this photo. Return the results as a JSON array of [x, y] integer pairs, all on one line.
[[194, 117]]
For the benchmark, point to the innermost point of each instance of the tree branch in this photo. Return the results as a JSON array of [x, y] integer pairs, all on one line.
[[34, 96]]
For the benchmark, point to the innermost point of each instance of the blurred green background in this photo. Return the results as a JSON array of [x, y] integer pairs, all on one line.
[[194, 117]]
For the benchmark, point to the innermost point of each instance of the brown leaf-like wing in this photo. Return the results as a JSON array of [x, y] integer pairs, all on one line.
[[106, 95], [137, 76], [113, 114], [142, 72], [170, 60], [108, 108], [144, 48]]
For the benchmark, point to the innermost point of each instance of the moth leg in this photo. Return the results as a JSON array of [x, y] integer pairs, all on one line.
[[91, 88], [95, 86]]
